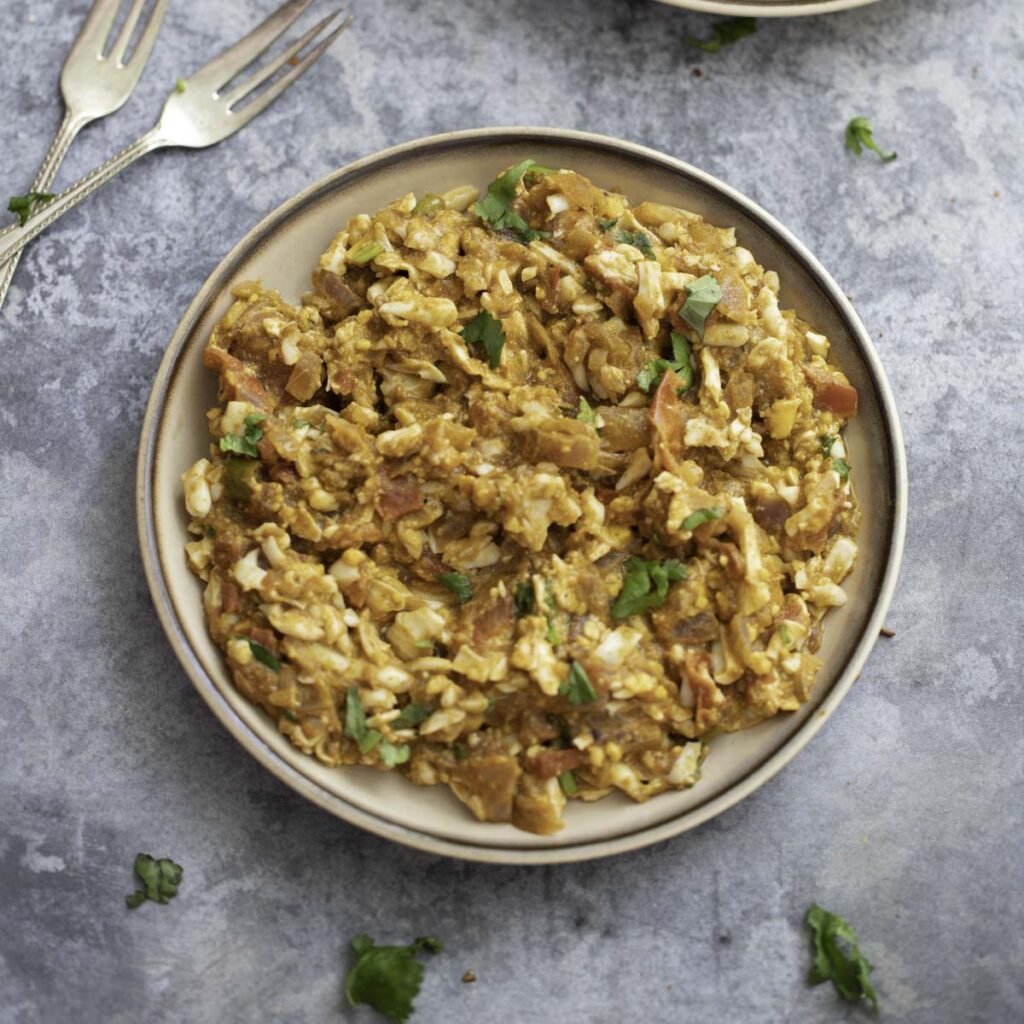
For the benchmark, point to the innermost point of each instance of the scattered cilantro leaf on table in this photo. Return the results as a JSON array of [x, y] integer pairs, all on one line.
[[837, 957], [388, 978], [24, 206], [160, 880], [486, 330], [646, 586], [860, 136], [725, 33]]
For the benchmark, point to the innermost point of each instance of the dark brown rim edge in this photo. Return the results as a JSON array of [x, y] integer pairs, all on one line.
[[252, 742]]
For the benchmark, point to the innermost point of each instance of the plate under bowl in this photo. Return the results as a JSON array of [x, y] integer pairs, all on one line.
[[281, 251], [768, 8]]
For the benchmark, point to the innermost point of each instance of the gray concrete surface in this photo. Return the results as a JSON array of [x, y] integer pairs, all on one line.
[[905, 814]]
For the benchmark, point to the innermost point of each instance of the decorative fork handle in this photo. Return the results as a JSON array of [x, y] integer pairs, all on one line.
[[69, 128], [13, 241]]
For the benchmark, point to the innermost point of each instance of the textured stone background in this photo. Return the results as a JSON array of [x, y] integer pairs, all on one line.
[[905, 814]]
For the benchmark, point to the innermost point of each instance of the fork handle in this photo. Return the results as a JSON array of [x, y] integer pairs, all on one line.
[[69, 128], [12, 242]]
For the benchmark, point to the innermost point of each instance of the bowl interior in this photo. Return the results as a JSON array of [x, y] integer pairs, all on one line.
[[282, 252]]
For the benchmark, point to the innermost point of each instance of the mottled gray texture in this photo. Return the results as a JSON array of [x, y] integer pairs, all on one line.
[[904, 814]]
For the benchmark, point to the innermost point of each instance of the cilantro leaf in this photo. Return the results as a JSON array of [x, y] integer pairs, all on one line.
[[388, 978], [24, 206], [458, 584], [841, 466], [496, 205], [577, 686], [486, 330], [568, 783], [860, 136], [264, 657], [365, 251], [160, 880], [725, 33], [702, 296], [847, 968], [392, 754], [702, 515], [646, 586], [245, 444], [638, 239], [355, 723], [607, 225], [679, 364], [586, 412], [412, 714], [525, 599]]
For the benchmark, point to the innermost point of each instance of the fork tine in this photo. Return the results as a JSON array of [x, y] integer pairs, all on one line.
[[244, 88], [148, 36], [98, 23], [223, 68], [248, 112]]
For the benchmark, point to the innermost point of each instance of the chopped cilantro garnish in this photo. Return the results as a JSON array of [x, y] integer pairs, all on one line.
[[607, 225], [837, 957], [702, 515], [24, 206], [725, 33], [391, 754], [299, 423], [841, 466], [264, 657], [486, 330], [412, 714], [496, 206], [459, 752], [586, 412], [160, 880], [702, 296], [679, 364], [637, 239], [388, 978], [646, 586], [577, 686], [424, 645], [860, 136], [180, 85], [458, 584], [568, 783], [355, 723], [365, 251], [246, 443], [525, 599]]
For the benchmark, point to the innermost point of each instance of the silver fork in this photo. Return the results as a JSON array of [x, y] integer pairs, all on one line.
[[196, 113], [94, 85]]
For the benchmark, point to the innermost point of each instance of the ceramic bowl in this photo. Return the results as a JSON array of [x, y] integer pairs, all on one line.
[[768, 8], [281, 251]]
